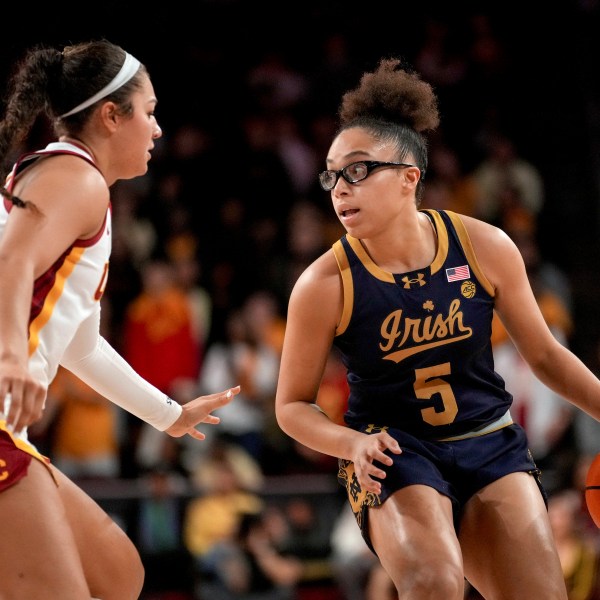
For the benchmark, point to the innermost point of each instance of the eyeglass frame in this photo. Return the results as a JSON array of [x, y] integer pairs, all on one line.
[[370, 164]]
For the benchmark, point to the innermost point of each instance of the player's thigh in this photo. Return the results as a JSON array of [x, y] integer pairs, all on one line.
[[507, 543], [111, 562], [39, 554], [414, 537]]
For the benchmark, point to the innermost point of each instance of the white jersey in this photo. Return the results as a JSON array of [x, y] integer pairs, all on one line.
[[70, 290], [64, 318]]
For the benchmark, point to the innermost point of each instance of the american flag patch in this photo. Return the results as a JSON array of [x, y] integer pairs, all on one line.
[[458, 273]]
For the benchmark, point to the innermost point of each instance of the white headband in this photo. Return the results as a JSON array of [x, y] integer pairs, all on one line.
[[128, 70]]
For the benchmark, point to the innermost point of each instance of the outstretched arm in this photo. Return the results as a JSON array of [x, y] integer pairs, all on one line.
[[95, 361]]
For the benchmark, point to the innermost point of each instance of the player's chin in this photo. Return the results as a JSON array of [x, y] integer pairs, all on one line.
[[141, 168]]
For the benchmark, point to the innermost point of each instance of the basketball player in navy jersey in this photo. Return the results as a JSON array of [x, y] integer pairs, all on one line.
[[440, 479]]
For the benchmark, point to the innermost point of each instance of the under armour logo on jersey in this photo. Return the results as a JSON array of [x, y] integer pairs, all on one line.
[[372, 428], [420, 279]]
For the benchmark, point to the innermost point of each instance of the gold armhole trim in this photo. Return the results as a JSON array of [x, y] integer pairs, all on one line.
[[442, 241], [347, 287], [465, 240], [366, 260]]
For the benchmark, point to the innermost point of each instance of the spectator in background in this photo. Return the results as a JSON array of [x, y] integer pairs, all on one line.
[[135, 231], [546, 417], [546, 277], [351, 559], [161, 345], [275, 84], [262, 178], [308, 539], [296, 153], [332, 399], [487, 58], [86, 430], [252, 567], [251, 354], [228, 482], [488, 94], [134, 238], [448, 186], [160, 341], [333, 391], [501, 171], [442, 58], [334, 70], [187, 270], [578, 553], [168, 565], [306, 239], [587, 434]]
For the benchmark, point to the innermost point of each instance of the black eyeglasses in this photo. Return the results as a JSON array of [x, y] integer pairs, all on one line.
[[354, 172]]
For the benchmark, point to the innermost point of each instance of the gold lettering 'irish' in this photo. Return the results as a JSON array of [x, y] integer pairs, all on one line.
[[410, 336]]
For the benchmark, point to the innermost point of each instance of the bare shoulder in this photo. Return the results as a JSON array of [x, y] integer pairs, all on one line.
[[318, 290], [323, 272], [70, 188], [482, 233], [496, 252], [73, 177], [488, 241]]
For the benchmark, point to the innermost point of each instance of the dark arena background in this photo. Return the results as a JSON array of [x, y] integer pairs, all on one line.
[[248, 94]]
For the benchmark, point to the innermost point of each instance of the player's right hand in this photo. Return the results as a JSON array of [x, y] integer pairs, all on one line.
[[199, 411], [369, 449], [22, 398]]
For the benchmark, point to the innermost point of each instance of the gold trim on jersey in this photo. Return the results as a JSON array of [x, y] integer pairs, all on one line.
[[52, 298], [441, 254], [347, 287], [467, 246], [442, 241], [368, 262], [379, 273]]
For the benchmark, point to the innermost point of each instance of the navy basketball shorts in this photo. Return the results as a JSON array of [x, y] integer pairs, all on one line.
[[458, 469]]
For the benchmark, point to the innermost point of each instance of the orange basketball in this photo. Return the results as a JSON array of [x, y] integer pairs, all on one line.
[[592, 490]]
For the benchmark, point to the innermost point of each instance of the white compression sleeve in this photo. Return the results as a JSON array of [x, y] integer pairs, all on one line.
[[97, 363]]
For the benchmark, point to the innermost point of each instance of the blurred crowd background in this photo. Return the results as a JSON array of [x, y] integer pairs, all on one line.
[[208, 245]]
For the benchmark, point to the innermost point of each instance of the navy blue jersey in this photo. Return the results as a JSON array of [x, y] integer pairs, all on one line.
[[417, 345]]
